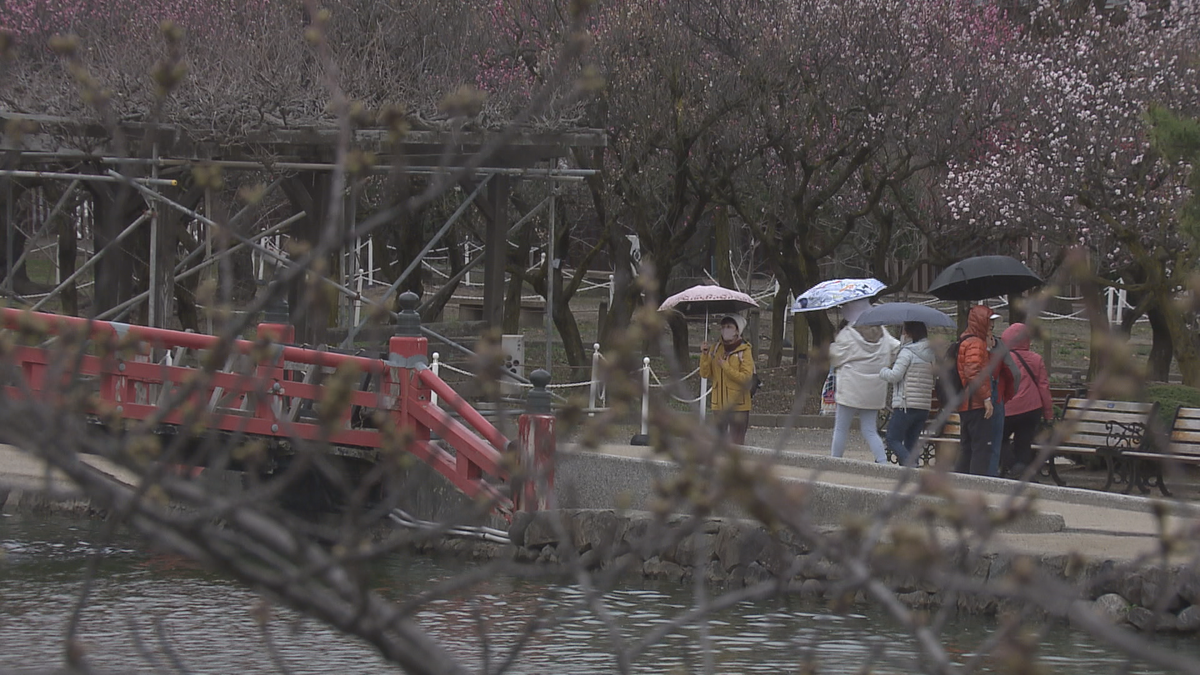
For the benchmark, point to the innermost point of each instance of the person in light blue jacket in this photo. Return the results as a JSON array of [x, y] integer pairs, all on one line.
[[912, 378]]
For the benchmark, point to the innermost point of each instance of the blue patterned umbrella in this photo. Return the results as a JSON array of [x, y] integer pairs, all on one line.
[[836, 292]]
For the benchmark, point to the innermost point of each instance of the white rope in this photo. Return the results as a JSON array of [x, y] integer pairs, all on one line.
[[659, 382], [1074, 316], [435, 270], [692, 400], [568, 385], [479, 299], [593, 286], [564, 385]]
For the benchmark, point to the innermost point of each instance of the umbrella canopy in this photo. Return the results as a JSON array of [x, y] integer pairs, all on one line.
[[836, 292], [703, 300], [895, 313], [985, 276]]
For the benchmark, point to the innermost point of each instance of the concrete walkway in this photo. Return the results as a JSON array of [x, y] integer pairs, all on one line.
[[1090, 522], [22, 473]]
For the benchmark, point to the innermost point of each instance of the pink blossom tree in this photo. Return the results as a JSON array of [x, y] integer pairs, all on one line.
[[1080, 167]]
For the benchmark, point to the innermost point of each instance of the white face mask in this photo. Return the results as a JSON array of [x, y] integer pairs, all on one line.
[[728, 333]]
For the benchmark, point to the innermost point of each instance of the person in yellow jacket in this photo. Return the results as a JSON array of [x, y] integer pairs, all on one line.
[[729, 368]]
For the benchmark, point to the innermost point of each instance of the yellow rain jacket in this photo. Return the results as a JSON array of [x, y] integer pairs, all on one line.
[[729, 375]]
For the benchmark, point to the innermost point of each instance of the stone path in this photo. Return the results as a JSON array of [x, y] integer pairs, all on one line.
[[1088, 521]]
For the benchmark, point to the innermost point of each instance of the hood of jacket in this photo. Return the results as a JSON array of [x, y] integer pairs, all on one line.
[[922, 350], [977, 321], [869, 334], [1016, 336]]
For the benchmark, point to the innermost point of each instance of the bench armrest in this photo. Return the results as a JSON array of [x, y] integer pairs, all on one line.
[[1124, 435]]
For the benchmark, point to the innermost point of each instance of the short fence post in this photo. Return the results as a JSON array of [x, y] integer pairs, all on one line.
[[643, 438], [436, 367], [594, 387], [703, 397], [536, 435]]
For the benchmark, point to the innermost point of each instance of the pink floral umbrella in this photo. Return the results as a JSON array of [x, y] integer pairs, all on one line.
[[708, 300]]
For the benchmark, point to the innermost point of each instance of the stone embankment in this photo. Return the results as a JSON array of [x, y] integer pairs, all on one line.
[[735, 553]]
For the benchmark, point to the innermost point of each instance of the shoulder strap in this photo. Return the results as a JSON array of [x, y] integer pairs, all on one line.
[[1032, 377]]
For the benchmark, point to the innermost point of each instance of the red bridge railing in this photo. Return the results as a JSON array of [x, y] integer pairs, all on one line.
[[265, 387]]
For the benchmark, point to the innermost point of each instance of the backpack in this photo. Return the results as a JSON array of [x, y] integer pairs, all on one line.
[[755, 384], [947, 384]]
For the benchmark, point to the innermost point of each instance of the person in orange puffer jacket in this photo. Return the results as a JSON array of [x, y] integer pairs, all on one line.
[[975, 412]]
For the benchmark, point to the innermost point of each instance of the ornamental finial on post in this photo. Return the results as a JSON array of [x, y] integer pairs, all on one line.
[[537, 402], [408, 322]]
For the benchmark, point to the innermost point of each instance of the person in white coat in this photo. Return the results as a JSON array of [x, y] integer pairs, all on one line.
[[857, 355], [912, 378]]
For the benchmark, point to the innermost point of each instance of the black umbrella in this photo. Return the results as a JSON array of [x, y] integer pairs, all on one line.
[[985, 276]]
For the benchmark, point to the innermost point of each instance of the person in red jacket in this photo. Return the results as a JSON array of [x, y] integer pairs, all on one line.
[[975, 412], [1032, 403]]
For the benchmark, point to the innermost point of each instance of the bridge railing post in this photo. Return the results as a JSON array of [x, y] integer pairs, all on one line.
[[406, 349], [274, 327], [538, 445]]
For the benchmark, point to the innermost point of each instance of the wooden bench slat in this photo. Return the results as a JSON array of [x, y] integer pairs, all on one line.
[[1181, 436], [1104, 416], [1083, 405], [1164, 457]]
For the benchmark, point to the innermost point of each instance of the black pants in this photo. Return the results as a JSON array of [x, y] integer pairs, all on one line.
[[1018, 439], [975, 448], [733, 425]]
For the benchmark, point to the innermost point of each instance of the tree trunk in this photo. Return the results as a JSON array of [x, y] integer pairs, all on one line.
[[308, 304], [518, 260], [114, 210], [454, 251], [20, 279], [680, 342], [1016, 309], [779, 309], [722, 248], [1158, 364], [1094, 308], [624, 291], [1186, 344], [412, 240], [433, 305], [68, 250]]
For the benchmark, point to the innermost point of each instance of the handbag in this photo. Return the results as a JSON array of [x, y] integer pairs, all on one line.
[[828, 391]]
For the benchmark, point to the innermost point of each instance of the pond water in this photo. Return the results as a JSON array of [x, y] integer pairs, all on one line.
[[158, 613]]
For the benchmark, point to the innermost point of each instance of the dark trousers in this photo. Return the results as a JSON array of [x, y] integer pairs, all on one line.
[[733, 425], [975, 447], [1018, 440], [903, 432]]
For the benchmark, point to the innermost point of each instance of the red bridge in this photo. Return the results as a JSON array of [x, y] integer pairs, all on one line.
[[266, 386]]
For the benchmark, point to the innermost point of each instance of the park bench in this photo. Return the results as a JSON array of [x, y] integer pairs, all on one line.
[[1183, 449], [533, 315], [1109, 430], [940, 443], [1060, 394], [1100, 428]]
